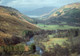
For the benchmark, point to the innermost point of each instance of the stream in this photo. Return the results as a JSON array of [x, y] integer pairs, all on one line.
[[38, 49]]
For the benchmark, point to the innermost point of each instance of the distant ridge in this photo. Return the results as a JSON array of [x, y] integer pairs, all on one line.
[[40, 11]]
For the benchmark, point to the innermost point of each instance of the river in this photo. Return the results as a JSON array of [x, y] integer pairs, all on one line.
[[38, 49]]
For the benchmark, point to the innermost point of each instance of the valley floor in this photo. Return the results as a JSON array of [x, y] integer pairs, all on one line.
[[55, 27]]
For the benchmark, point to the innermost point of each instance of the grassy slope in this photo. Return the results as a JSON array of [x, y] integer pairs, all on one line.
[[68, 13], [63, 10], [11, 23]]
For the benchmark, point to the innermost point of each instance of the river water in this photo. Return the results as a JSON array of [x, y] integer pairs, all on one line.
[[38, 49]]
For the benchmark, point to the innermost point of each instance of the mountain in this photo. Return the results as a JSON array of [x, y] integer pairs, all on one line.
[[69, 13], [13, 24], [40, 11]]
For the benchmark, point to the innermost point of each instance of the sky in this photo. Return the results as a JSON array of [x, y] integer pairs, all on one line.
[[33, 4]]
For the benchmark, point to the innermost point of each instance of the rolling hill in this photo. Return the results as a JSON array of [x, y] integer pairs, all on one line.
[[13, 24], [69, 13]]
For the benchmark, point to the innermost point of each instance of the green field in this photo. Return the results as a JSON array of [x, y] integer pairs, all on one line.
[[54, 41], [55, 27]]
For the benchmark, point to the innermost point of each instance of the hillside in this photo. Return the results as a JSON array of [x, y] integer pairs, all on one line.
[[46, 15], [69, 13], [12, 24]]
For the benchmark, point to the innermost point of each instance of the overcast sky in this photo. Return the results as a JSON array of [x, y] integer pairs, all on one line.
[[32, 4]]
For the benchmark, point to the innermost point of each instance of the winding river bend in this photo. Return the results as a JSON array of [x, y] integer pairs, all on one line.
[[38, 49]]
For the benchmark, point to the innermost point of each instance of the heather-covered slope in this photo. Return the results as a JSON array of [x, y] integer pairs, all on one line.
[[13, 24]]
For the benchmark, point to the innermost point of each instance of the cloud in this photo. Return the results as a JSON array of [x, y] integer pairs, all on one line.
[[23, 3], [31, 4]]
